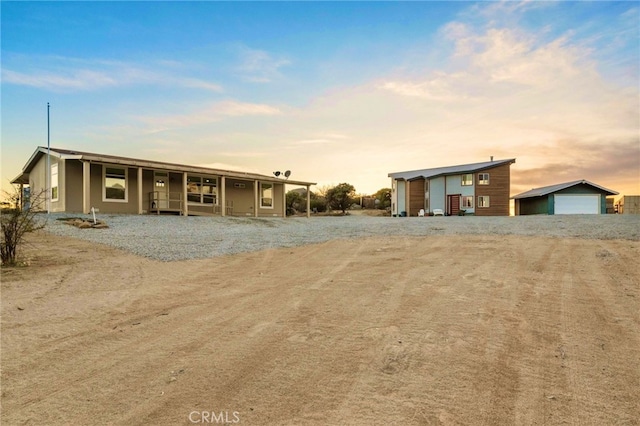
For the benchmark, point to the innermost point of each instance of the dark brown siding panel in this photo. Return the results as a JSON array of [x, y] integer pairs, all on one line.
[[497, 190], [416, 197]]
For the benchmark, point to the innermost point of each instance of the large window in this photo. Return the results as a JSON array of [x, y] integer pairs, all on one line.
[[467, 180], [202, 190], [483, 178], [114, 184], [54, 182], [466, 202], [266, 195], [483, 201]]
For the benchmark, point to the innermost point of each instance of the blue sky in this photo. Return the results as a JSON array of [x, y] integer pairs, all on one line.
[[334, 91]]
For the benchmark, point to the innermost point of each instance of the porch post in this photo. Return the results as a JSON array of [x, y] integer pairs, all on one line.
[[255, 198], [223, 196], [86, 187], [21, 197], [308, 201], [284, 200], [139, 190], [185, 208]]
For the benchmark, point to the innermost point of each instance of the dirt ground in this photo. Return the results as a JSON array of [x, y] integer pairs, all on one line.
[[418, 330]]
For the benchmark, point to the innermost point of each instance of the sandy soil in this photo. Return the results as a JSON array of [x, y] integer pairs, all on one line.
[[417, 330]]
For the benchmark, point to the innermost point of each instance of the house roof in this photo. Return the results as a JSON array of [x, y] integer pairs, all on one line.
[[67, 154], [546, 190], [450, 170]]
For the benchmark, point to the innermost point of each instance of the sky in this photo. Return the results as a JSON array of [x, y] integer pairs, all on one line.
[[333, 91]]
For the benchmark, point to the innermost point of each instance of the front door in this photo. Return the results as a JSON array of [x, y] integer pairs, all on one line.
[[161, 188], [453, 204]]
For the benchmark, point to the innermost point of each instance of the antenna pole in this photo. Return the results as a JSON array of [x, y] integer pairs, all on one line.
[[48, 195]]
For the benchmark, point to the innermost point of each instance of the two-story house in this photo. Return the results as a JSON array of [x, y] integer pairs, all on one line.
[[480, 188]]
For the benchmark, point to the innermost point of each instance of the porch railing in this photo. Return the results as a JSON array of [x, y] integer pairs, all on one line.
[[171, 201]]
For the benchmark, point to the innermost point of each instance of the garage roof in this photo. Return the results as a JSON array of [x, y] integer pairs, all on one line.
[[545, 190]]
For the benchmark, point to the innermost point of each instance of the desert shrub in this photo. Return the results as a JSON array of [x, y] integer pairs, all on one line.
[[341, 196], [15, 222]]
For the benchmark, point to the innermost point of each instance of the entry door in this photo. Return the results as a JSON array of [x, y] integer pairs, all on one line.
[[454, 204], [161, 187]]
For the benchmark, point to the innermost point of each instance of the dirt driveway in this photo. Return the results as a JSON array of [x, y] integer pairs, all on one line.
[[404, 330]]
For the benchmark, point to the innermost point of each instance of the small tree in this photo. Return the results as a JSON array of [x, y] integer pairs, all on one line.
[[383, 197], [341, 196], [317, 202], [295, 202], [16, 222]]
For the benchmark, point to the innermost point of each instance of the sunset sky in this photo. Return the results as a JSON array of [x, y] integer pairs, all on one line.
[[335, 92]]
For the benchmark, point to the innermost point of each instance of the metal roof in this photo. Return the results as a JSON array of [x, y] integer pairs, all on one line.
[[67, 154], [546, 190], [450, 170]]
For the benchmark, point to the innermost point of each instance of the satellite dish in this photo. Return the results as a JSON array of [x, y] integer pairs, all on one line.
[[287, 174], [276, 173]]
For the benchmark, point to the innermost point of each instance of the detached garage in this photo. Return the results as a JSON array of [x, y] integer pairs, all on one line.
[[577, 197]]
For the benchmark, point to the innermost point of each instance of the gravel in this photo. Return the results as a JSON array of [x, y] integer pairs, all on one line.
[[172, 238]]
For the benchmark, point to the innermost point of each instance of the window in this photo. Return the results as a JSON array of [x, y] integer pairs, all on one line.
[[483, 201], [467, 180], [114, 184], [54, 182], [202, 190], [483, 178], [266, 195], [466, 202]]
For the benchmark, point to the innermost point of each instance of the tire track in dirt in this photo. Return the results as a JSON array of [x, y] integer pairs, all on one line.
[[595, 334], [252, 357], [358, 340]]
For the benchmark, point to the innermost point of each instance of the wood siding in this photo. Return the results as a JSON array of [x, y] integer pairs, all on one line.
[[416, 197], [497, 191]]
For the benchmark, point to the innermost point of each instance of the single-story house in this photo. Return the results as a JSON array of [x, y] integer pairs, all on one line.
[[78, 181], [479, 188], [576, 197]]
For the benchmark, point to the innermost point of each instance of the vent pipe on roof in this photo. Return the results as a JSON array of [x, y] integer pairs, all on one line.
[[492, 158]]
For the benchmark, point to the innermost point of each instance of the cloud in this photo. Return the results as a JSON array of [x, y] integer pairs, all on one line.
[[63, 74], [259, 66], [208, 114], [610, 163]]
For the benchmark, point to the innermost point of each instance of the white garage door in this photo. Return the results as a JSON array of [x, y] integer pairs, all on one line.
[[577, 204]]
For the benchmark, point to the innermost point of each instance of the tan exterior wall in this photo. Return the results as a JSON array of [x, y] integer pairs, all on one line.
[[497, 190], [278, 193], [38, 184], [73, 186], [243, 198], [130, 207]]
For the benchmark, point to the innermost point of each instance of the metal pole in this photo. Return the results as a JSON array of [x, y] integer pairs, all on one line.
[[48, 173]]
